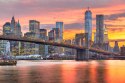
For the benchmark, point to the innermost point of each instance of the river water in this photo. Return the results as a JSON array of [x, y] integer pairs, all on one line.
[[105, 71]]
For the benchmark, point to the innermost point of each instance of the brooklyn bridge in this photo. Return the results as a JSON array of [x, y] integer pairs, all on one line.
[[81, 50]]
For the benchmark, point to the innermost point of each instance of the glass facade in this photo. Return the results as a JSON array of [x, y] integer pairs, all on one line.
[[60, 25], [88, 24]]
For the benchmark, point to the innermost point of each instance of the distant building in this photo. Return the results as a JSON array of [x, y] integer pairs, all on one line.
[[60, 25], [123, 51], [34, 26], [18, 29], [2, 47], [106, 39], [6, 28], [31, 48], [13, 25], [88, 24], [12, 29], [43, 34], [52, 35], [100, 29], [7, 32], [43, 49], [57, 34], [116, 47]]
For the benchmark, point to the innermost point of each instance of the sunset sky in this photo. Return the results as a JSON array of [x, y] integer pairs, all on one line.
[[71, 12]]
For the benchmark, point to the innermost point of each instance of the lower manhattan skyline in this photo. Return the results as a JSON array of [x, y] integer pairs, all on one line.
[[62, 41], [70, 12]]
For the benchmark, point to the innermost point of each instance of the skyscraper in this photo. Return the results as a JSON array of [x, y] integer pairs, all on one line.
[[34, 27], [57, 34], [60, 25], [122, 50], [116, 47], [52, 35], [6, 28], [18, 29], [43, 34], [43, 49], [13, 25], [88, 24], [99, 29]]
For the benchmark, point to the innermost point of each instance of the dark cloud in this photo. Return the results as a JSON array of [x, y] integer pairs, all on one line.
[[30, 7], [77, 26], [114, 16], [116, 29], [110, 25]]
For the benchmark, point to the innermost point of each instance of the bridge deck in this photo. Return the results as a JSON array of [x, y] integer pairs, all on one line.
[[40, 41]]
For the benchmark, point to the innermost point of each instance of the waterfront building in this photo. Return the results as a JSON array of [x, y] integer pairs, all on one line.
[[31, 48], [2, 47], [34, 28], [12, 29]]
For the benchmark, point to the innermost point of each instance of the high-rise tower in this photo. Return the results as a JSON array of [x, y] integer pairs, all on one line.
[[18, 28], [60, 25], [88, 24], [99, 29], [13, 25]]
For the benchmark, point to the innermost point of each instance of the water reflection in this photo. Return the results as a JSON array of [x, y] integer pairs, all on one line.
[[64, 72]]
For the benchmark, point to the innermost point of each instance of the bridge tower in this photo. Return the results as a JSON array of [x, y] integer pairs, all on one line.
[[84, 54]]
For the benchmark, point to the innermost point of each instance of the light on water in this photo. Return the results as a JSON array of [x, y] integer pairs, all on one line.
[[107, 71]]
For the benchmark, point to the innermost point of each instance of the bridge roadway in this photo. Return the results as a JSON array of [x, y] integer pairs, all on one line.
[[40, 41]]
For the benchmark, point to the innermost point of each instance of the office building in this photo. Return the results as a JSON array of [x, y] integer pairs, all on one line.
[[116, 47], [6, 28], [34, 26], [122, 51], [18, 29], [100, 29], [57, 34], [88, 24], [43, 49], [52, 35], [60, 25]]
